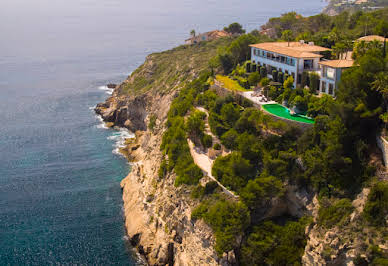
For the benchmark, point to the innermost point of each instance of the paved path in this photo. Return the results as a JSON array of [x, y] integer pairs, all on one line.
[[255, 99], [205, 163]]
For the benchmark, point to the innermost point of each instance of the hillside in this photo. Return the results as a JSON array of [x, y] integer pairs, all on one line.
[[335, 7], [271, 192], [165, 71]]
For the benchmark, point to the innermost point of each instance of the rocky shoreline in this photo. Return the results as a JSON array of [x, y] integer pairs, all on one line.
[[157, 214]]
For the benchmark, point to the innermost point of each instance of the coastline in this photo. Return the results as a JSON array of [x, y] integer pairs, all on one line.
[[169, 237]]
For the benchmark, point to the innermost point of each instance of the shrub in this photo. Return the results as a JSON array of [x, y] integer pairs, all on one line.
[[376, 208], [260, 190], [229, 114], [264, 81], [289, 82], [198, 192], [228, 219], [280, 77], [263, 72], [275, 75], [195, 124], [253, 68], [248, 67], [300, 103], [207, 140], [335, 214], [229, 138], [233, 170], [152, 122], [210, 187], [253, 79], [314, 82], [272, 244], [188, 173], [163, 169], [305, 79], [217, 146]]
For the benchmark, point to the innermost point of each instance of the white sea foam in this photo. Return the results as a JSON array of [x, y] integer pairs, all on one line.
[[92, 107], [106, 89], [119, 138], [102, 123]]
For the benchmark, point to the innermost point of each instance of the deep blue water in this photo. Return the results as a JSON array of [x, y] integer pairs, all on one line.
[[60, 198]]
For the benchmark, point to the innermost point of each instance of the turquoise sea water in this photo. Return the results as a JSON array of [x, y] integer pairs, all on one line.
[[60, 196]]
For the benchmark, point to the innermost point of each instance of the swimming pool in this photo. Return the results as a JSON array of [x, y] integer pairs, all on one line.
[[283, 112]]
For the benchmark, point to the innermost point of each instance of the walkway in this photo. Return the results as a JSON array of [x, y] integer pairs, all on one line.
[[205, 163], [256, 99]]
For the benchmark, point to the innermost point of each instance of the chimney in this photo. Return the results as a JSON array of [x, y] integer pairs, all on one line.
[[311, 43], [301, 41]]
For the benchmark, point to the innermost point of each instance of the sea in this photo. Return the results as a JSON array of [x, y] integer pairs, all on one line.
[[60, 172]]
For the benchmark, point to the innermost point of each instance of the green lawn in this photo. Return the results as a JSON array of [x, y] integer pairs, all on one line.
[[230, 84], [283, 112]]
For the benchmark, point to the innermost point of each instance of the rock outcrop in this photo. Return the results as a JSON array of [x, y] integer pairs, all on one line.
[[336, 246], [157, 214]]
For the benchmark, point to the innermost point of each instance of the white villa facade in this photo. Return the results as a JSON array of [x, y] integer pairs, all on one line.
[[330, 74], [294, 58]]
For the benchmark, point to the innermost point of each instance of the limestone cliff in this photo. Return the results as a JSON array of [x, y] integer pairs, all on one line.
[[158, 214]]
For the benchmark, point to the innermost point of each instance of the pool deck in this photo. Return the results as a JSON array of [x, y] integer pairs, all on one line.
[[259, 102], [256, 99]]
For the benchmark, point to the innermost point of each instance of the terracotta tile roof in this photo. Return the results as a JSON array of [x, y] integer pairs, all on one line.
[[218, 33], [337, 63], [371, 38], [294, 49], [210, 35]]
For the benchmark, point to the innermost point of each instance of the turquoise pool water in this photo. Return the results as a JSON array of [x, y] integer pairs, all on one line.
[[283, 112]]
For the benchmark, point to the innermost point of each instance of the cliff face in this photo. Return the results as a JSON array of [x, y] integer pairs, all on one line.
[[158, 214]]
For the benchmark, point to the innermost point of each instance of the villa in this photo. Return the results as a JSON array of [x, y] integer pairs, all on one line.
[[294, 58], [330, 74], [207, 36]]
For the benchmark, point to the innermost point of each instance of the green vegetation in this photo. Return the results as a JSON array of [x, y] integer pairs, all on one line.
[[234, 28], [229, 83], [376, 208], [174, 143], [334, 214], [332, 157], [272, 244], [166, 70], [227, 218], [152, 122], [329, 30]]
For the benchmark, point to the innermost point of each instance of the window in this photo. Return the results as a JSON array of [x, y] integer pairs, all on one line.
[[323, 87], [308, 64], [292, 62], [331, 89], [324, 71], [330, 73]]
